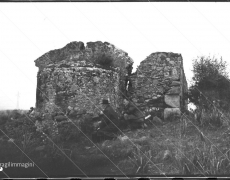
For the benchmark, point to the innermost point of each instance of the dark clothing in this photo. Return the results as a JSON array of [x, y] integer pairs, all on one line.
[[133, 112], [109, 125], [108, 117], [135, 117]]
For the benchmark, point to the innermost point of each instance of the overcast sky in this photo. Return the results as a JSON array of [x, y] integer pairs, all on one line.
[[28, 30]]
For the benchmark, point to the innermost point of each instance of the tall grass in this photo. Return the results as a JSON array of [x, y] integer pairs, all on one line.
[[183, 148]]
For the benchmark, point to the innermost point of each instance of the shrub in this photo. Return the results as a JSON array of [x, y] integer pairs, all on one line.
[[105, 60], [210, 83], [3, 119], [15, 114], [24, 135], [17, 128], [69, 131], [209, 118]]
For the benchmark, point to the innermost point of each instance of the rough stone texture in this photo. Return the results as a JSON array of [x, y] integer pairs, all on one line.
[[76, 78], [73, 77], [172, 100], [160, 83], [168, 112]]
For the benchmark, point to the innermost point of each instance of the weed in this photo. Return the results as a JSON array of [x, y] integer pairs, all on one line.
[[105, 60]]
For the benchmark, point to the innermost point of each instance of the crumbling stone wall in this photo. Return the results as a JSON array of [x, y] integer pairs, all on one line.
[[159, 85], [79, 77]]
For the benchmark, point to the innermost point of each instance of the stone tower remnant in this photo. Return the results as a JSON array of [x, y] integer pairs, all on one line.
[[78, 77], [160, 84]]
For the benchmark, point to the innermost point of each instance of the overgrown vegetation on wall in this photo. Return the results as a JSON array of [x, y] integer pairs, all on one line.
[[106, 61]]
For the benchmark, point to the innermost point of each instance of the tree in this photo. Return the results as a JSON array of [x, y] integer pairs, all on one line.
[[210, 83]]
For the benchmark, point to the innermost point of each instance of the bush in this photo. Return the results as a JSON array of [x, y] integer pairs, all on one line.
[[68, 131], [23, 133], [105, 60], [15, 114], [17, 128], [210, 83], [212, 118], [3, 119]]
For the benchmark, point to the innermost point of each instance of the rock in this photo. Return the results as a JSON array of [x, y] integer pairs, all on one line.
[[175, 74], [172, 100], [174, 90], [175, 83], [169, 112], [96, 79], [172, 62]]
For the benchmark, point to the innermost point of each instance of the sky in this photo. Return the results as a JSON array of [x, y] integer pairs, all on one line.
[[28, 30]]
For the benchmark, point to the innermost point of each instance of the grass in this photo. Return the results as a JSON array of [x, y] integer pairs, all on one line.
[[180, 147]]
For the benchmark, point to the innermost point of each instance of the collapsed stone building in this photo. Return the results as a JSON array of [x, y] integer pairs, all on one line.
[[77, 77], [159, 85]]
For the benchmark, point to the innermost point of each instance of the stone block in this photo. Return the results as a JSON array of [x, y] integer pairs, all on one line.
[[170, 112], [175, 83], [175, 74], [171, 62], [174, 90], [172, 100], [155, 82]]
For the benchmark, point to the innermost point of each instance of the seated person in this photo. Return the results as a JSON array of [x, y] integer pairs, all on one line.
[[109, 123], [133, 116]]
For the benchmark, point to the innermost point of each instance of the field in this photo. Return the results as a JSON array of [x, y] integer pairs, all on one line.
[[179, 147]]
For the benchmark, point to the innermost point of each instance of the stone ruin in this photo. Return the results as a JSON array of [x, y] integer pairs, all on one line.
[[159, 85], [77, 77]]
